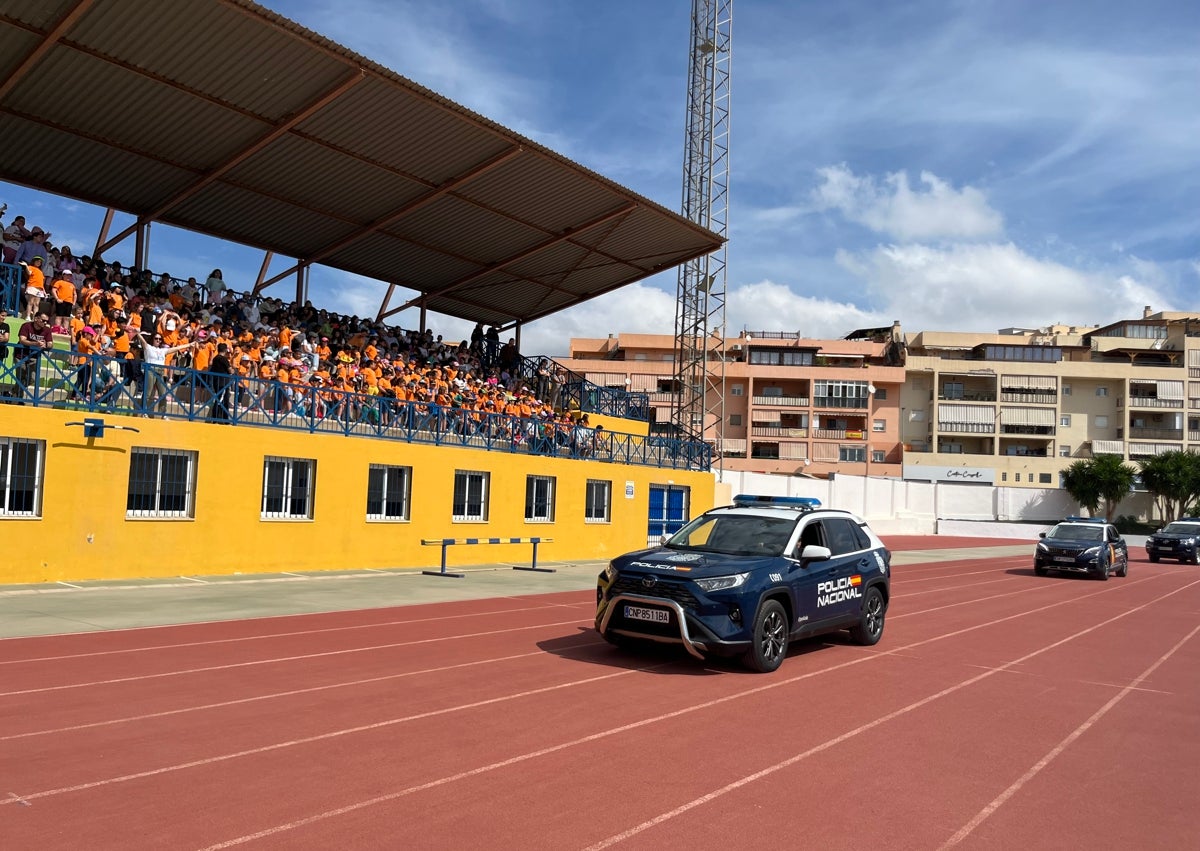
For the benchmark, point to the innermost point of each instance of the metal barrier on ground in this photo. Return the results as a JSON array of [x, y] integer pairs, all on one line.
[[449, 542]]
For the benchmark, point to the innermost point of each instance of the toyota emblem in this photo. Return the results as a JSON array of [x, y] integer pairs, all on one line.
[[649, 581]]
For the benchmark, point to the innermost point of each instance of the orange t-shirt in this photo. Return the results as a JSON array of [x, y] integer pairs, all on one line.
[[64, 290]]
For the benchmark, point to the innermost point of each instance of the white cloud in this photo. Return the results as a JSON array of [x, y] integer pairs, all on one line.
[[644, 309], [984, 287], [771, 306], [636, 309], [893, 208]]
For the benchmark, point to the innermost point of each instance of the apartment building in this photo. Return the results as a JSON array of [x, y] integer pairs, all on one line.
[[791, 405], [1016, 407]]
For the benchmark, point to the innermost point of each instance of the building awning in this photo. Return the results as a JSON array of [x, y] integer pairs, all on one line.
[[1170, 390], [1028, 416], [1108, 447], [1145, 449], [973, 414], [1028, 382]]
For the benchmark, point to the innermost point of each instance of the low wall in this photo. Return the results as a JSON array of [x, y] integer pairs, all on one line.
[[899, 507]]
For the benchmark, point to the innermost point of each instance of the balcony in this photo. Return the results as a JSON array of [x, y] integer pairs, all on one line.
[[839, 402], [1029, 398], [1028, 430], [969, 396], [781, 401], [777, 431], [1154, 402], [1145, 432], [967, 428], [839, 434]]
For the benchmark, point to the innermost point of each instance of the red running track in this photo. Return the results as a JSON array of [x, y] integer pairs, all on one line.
[[1001, 710]]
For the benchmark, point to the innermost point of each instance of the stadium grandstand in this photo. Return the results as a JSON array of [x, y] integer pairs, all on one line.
[[154, 422]]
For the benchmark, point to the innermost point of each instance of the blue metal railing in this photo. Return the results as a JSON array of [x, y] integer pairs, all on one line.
[[97, 384], [585, 396], [11, 277]]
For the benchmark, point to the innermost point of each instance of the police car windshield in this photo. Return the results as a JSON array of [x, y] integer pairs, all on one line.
[[1078, 532], [735, 534], [1183, 528]]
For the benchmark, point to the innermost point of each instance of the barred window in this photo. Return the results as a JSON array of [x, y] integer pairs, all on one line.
[[162, 483], [388, 491], [288, 488], [539, 499], [21, 464], [597, 501], [471, 495]]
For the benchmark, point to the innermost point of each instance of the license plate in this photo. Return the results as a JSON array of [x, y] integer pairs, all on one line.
[[637, 613], [1067, 559], [1166, 546]]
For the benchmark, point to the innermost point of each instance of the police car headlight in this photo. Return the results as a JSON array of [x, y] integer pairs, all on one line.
[[723, 583], [1091, 551], [610, 572], [1042, 548]]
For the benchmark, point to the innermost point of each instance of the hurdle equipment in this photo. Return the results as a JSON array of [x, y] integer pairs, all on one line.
[[445, 543]]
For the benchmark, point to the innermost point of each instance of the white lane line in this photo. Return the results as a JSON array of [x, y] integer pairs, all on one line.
[[855, 661], [1034, 770], [433, 713], [870, 725], [522, 757], [272, 661], [238, 639], [291, 693], [195, 579]]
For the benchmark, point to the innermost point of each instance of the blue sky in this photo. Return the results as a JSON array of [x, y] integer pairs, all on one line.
[[954, 164]]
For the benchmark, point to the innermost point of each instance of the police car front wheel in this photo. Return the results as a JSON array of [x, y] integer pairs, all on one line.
[[770, 643], [869, 628]]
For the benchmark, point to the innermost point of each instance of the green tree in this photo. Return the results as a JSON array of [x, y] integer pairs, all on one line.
[[1103, 480], [1173, 478]]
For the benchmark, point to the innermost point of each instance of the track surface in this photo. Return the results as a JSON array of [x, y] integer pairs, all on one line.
[[1001, 710]]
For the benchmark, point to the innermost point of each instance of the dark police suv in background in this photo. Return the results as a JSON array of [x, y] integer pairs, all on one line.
[[1178, 539], [748, 579], [1082, 545]]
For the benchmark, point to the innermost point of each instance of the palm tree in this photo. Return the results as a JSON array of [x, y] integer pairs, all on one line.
[[1174, 480], [1103, 480]]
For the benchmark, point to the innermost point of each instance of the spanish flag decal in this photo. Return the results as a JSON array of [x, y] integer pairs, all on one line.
[[855, 580]]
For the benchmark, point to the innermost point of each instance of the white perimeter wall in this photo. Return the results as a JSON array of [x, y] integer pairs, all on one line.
[[897, 507]]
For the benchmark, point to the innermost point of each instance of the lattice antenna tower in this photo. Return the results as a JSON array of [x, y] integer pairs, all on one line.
[[700, 307]]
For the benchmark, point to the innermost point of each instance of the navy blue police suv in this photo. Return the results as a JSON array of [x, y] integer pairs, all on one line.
[[1178, 539], [749, 578], [1082, 545]]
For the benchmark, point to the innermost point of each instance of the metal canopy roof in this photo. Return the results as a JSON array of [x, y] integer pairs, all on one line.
[[222, 117]]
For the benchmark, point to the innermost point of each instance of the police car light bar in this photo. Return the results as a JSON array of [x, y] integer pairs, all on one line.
[[806, 502], [1086, 520]]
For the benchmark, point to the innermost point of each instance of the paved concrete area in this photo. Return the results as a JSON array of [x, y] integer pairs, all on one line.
[[54, 608]]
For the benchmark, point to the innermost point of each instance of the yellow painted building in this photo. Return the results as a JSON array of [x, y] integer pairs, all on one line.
[[180, 498]]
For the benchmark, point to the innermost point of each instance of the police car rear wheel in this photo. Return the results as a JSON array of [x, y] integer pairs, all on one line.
[[870, 625], [770, 638]]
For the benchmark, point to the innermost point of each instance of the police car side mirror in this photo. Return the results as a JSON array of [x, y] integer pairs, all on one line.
[[814, 552], [1041, 534]]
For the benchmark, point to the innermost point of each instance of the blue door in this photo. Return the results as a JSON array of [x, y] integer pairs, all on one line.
[[668, 512]]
